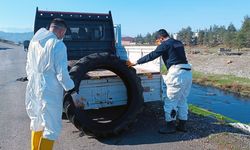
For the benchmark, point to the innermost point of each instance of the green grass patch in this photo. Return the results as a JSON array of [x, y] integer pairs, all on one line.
[[164, 69], [203, 112], [230, 83]]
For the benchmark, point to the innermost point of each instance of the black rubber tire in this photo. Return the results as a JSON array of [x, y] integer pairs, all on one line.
[[69, 110], [127, 113]]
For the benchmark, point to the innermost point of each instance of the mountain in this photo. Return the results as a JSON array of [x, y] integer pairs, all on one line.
[[16, 37]]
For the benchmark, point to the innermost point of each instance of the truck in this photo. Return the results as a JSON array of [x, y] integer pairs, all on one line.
[[110, 93]]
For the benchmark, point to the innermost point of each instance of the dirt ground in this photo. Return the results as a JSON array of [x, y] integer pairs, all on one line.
[[237, 65], [206, 132]]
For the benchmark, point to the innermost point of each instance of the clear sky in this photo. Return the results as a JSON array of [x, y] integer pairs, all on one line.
[[135, 16]]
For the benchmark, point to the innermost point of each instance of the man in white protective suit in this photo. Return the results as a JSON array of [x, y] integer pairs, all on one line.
[[48, 76], [177, 82]]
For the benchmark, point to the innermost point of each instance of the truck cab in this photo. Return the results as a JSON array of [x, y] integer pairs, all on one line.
[[87, 33]]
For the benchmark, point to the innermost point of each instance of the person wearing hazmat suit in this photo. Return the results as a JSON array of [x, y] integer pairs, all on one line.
[[48, 76], [177, 82]]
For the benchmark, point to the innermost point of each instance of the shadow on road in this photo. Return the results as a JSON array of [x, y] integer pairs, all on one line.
[[145, 130], [4, 48]]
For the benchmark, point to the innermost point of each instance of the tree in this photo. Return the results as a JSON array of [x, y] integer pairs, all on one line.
[[153, 37], [231, 28], [185, 35], [213, 36], [221, 34], [201, 37], [211, 40], [139, 39], [216, 35], [206, 38], [240, 40], [147, 38], [230, 36], [243, 36], [245, 31]]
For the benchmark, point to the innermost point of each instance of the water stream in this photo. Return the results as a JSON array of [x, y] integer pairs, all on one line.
[[219, 101]]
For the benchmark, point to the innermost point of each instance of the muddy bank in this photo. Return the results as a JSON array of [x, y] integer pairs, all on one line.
[[237, 85]]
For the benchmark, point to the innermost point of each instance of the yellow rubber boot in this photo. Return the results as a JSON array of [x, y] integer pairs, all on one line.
[[35, 139], [46, 144]]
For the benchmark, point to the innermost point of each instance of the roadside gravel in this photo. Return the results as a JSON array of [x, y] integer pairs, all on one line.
[[204, 133]]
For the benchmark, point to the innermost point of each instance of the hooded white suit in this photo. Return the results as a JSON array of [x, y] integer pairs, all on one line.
[[47, 74]]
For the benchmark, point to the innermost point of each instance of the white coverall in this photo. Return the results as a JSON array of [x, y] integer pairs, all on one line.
[[176, 87], [47, 75]]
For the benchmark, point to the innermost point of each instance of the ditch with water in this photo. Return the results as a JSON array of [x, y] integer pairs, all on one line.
[[222, 102]]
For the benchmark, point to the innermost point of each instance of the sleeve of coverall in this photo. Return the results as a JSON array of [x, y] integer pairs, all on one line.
[[61, 67], [28, 69], [153, 55]]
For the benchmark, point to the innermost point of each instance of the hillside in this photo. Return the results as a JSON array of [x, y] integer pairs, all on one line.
[[16, 37]]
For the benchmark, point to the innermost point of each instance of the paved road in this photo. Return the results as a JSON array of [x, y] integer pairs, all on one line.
[[14, 122]]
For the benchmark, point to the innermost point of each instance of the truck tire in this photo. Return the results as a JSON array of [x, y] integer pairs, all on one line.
[[120, 117]]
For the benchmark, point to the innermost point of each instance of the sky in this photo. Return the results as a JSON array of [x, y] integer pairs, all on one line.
[[135, 16]]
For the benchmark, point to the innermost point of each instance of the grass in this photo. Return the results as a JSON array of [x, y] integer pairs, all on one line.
[[203, 112], [164, 69], [230, 83]]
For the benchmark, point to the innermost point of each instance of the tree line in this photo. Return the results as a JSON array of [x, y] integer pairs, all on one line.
[[216, 35]]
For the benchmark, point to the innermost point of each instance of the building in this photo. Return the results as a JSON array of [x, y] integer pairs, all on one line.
[[128, 40]]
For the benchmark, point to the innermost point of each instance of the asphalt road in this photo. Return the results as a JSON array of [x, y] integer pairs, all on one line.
[[14, 122]]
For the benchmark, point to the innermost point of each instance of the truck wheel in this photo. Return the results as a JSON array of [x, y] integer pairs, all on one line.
[[112, 120]]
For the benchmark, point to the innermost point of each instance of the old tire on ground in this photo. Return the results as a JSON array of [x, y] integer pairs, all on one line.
[[114, 119]]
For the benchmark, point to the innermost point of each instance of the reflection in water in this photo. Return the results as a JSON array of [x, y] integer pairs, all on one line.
[[221, 102]]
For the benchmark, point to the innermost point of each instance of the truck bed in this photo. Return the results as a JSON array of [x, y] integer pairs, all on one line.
[[106, 73], [105, 89], [102, 88]]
